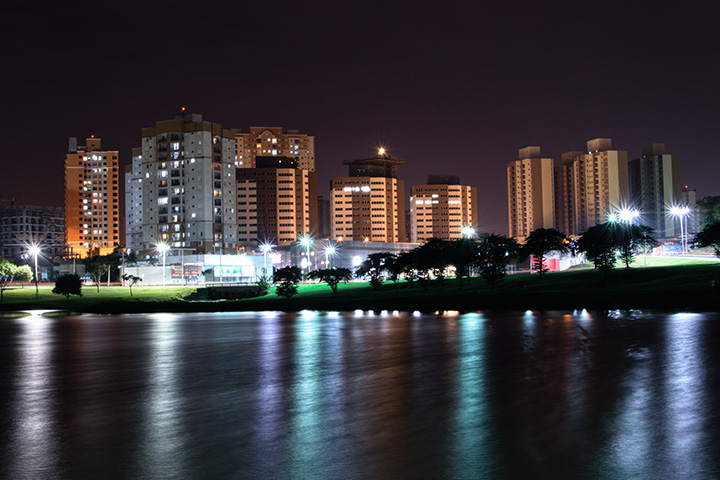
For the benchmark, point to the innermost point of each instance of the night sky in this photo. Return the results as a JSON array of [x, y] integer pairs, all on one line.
[[454, 88]]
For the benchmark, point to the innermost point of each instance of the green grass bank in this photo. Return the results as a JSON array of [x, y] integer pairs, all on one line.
[[673, 284]]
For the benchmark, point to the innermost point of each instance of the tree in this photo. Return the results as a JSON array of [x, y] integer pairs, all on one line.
[[541, 242], [131, 280], [710, 211], [23, 274], [495, 252], [433, 257], [68, 284], [288, 279], [374, 266], [709, 237], [96, 267], [600, 244], [7, 273], [332, 276], [404, 265], [462, 253], [263, 284], [630, 237]]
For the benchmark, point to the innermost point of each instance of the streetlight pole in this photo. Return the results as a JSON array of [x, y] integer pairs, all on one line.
[[329, 252], [163, 248], [265, 248], [682, 212], [306, 241], [34, 250]]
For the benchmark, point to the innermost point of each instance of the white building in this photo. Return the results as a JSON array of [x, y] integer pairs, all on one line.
[[188, 185]]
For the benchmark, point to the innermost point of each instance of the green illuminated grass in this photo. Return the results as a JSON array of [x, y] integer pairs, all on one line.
[[664, 283]]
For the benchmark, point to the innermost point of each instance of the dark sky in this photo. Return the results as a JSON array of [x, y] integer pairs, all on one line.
[[453, 87]]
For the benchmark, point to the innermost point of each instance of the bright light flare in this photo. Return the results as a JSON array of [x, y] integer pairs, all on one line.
[[627, 215], [468, 231], [679, 211]]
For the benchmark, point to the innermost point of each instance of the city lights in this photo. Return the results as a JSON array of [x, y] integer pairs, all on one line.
[[468, 231], [306, 241], [34, 250], [682, 212], [329, 252], [627, 215], [265, 248], [162, 248]]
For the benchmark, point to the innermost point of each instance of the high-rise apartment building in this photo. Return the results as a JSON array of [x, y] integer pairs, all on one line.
[[369, 204], [655, 187], [23, 225], [133, 202], [276, 202], [590, 186], [441, 208], [274, 142], [92, 203], [531, 203], [188, 185]]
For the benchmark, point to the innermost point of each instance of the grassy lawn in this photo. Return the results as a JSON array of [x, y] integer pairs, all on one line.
[[652, 282]]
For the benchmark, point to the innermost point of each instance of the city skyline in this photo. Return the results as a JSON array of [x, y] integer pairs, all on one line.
[[452, 90]]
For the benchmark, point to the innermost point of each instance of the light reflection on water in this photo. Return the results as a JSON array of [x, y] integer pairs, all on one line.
[[361, 395]]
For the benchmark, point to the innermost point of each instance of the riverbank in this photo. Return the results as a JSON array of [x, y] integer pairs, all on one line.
[[681, 287]]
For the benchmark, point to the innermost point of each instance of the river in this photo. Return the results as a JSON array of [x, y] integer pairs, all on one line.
[[361, 395]]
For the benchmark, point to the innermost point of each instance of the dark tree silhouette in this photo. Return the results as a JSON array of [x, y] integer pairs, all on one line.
[[332, 276], [495, 252], [130, 280], [374, 267], [709, 237], [541, 242], [68, 284], [600, 244], [287, 278]]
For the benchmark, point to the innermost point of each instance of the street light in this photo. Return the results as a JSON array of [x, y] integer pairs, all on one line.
[[329, 252], [34, 250], [306, 242], [163, 247], [628, 215], [467, 231], [265, 248], [682, 212]]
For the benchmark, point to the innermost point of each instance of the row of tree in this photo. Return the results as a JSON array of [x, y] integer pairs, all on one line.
[[488, 256]]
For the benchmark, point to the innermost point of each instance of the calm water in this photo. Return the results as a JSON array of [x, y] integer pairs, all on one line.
[[358, 395]]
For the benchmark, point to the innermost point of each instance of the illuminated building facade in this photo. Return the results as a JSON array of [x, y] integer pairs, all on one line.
[[441, 208], [531, 190], [23, 225], [369, 204], [276, 202], [655, 187], [133, 202], [274, 142], [590, 186], [188, 185], [92, 204]]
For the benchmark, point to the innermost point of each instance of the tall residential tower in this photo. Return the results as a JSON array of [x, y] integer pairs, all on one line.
[[188, 185], [441, 208], [655, 187], [92, 203], [274, 142], [369, 204], [530, 193]]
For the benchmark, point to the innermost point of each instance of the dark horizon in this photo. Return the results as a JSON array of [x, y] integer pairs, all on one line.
[[452, 89]]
